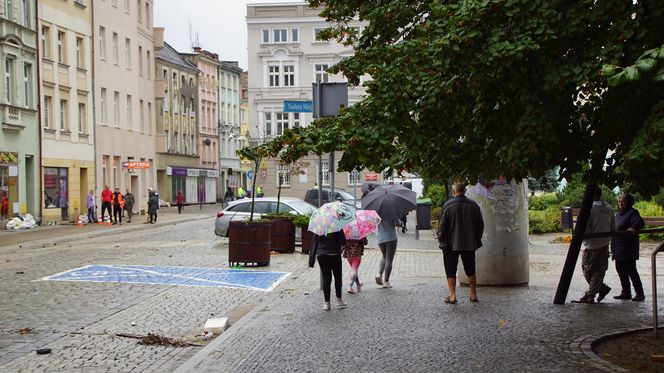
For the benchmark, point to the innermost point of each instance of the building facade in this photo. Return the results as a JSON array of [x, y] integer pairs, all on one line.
[[124, 97], [208, 116], [245, 164], [229, 125], [19, 109], [285, 57], [65, 32]]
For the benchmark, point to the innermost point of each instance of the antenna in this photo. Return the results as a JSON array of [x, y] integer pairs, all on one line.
[[193, 42]]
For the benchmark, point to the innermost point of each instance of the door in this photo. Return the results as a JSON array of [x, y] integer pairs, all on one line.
[[83, 197]]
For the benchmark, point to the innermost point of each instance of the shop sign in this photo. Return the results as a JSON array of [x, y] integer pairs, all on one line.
[[13, 171], [178, 171], [192, 172], [135, 165], [8, 157], [213, 173], [371, 176]]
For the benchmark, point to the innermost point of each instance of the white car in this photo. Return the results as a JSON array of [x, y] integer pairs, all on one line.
[[241, 210]]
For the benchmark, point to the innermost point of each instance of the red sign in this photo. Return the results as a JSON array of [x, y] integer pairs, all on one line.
[[371, 176], [136, 165]]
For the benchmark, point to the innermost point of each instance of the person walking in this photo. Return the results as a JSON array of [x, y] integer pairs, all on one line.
[[106, 199], [129, 201], [228, 196], [179, 199], [152, 207], [459, 235], [386, 235], [595, 260], [327, 251], [4, 209], [353, 251], [259, 191], [64, 213], [91, 207], [118, 206], [625, 248]]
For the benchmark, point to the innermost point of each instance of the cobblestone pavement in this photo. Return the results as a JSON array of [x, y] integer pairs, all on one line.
[[407, 328]]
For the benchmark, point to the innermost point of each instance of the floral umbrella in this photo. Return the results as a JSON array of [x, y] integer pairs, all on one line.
[[365, 223], [330, 218]]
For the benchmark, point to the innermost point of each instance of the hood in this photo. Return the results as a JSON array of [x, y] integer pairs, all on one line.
[[602, 206]]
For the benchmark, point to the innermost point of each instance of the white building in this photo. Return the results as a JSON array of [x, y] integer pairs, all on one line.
[[285, 58]]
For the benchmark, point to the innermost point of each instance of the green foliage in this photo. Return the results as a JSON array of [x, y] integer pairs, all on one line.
[[659, 198], [435, 212], [543, 202], [572, 193], [437, 194], [547, 221], [285, 215], [547, 183], [301, 221], [649, 209]]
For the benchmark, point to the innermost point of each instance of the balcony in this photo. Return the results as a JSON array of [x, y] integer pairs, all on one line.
[[12, 119]]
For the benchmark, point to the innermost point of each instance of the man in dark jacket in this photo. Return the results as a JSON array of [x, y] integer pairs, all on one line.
[[459, 235], [129, 205]]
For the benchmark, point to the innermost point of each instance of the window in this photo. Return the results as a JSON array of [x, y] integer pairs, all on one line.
[[104, 106], [147, 15], [289, 75], [81, 118], [126, 6], [283, 173], [321, 76], [354, 178], [295, 35], [27, 85], [102, 42], [176, 105], [326, 173], [140, 60], [9, 79], [63, 116], [61, 47], [273, 72], [296, 120], [130, 122], [268, 124], [149, 118], [317, 31], [148, 63], [80, 53], [266, 36], [46, 42], [282, 123], [47, 111], [128, 53], [183, 102], [280, 35], [26, 14], [115, 48], [116, 108], [55, 187], [8, 10], [142, 118], [183, 80]]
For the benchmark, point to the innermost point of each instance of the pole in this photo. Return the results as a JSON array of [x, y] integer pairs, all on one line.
[[331, 169], [320, 179]]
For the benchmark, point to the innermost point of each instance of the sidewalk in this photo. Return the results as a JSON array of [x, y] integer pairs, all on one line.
[[63, 233]]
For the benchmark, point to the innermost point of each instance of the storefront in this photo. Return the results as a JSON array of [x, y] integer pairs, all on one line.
[[9, 182], [197, 185]]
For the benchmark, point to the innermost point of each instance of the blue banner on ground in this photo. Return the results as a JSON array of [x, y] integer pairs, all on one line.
[[184, 276], [298, 107]]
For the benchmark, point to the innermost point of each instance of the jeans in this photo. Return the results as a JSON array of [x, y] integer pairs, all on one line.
[[91, 215], [330, 264]]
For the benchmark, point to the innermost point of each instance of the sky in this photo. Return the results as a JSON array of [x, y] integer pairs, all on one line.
[[220, 25]]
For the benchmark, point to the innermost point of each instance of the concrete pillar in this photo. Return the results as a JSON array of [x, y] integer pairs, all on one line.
[[503, 259]]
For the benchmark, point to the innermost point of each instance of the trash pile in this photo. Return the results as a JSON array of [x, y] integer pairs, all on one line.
[[21, 222]]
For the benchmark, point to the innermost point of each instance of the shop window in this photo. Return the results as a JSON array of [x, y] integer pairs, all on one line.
[[55, 187]]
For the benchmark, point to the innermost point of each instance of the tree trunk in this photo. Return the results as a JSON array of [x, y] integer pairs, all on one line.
[[279, 193], [257, 163]]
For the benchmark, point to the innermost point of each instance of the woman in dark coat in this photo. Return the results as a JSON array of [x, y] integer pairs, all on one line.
[[625, 248]]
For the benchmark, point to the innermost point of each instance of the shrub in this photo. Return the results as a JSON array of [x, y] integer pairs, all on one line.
[[437, 194], [543, 202], [435, 212], [301, 221], [649, 208], [547, 221]]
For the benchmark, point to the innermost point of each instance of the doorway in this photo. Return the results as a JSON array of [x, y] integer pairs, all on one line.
[[83, 201]]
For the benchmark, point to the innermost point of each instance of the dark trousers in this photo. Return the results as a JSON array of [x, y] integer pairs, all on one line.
[[91, 215], [106, 206], [130, 212], [451, 262], [330, 264], [180, 208], [117, 211], [627, 271]]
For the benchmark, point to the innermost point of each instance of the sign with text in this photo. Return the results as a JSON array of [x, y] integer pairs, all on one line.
[[298, 107], [371, 176], [136, 165]]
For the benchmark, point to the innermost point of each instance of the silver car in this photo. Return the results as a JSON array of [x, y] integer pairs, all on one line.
[[241, 210]]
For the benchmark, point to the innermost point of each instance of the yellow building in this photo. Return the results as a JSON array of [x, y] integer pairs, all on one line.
[[65, 34]]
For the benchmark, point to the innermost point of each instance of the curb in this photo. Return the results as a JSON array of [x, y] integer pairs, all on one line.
[[584, 345]]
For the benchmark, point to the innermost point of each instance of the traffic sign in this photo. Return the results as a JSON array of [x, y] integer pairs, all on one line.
[[250, 174]]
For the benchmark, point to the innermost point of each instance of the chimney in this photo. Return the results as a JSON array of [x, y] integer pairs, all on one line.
[[197, 49], [158, 33]]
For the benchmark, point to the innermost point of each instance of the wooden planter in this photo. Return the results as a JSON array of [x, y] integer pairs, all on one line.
[[307, 239], [283, 235], [249, 243]]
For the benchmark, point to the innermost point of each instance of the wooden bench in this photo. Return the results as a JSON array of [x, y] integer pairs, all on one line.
[[657, 221]]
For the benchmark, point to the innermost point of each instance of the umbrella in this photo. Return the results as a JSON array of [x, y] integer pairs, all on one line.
[[391, 202], [331, 217], [365, 223]]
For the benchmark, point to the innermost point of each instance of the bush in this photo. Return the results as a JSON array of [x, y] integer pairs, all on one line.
[[435, 212], [649, 208], [572, 194], [437, 194], [301, 221], [547, 221], [543, 202]]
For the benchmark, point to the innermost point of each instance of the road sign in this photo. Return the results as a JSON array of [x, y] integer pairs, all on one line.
[[250, 174], [298, 107]]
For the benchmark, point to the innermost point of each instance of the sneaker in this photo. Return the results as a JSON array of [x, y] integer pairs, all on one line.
[[623, 296], [639, 298], [603, 292], [341, 303], [350, 291], [379, 279], [587, 299], [386, 285], [326, 306]]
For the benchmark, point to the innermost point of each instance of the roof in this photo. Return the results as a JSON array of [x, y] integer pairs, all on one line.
[[169, 55], [231, 65]]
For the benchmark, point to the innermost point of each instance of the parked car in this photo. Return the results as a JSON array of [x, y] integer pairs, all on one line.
[[241, 210], [311, 196]]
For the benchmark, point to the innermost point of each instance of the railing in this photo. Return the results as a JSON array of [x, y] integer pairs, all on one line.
[[654, 288]]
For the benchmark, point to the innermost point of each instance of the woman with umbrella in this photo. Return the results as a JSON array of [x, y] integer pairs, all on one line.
[[327, 224]]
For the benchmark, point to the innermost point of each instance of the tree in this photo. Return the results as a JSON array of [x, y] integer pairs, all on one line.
[[548, 183]]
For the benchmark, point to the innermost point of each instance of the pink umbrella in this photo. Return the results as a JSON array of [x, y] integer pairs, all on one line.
[[365, 223]]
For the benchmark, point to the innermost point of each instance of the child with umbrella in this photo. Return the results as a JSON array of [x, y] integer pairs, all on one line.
[[356, 232]]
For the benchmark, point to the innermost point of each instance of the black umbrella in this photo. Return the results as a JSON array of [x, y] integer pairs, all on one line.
[[391, 202]]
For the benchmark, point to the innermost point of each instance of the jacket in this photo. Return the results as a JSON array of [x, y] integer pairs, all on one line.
[[106, 195], [601, 220], [118, 200], [179, 198], [152, 203], [129, 200], [91, 200], [626, 246], [326, 245], [461, 225]]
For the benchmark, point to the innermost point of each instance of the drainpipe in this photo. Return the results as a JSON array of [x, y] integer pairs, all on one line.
[[94, 91], [39, 116]]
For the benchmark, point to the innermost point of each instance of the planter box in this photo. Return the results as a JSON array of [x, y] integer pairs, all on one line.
[[283, 235], [249, 243], [307, 240]]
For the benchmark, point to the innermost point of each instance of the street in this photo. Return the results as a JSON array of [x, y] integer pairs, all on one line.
[[407, 328]]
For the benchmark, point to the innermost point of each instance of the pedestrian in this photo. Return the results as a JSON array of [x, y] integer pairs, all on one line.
[[595, 260], [241, 193], [152, 207], [4, 209], [129, 202], [327, 251], [386, 235], [353, 251], [459, 235], [118, 206], [259, 191], [625, 248], [106, 199], [91, 207], [158, 203], [228, 196], [64, 213], [179, 199], [404, 221]]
